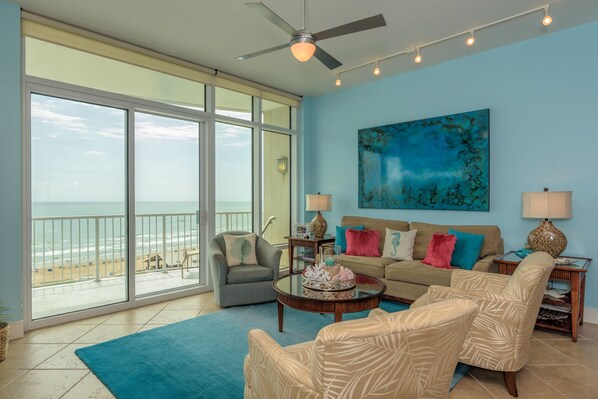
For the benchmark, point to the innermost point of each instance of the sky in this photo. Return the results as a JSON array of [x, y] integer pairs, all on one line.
[[78, 154]]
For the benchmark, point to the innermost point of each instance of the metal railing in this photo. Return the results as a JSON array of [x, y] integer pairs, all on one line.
[[81, 248]]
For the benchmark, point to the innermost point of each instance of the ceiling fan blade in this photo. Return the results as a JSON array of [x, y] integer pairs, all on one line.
[[266, 51], [326, 58], [357, 26], [271, 16]]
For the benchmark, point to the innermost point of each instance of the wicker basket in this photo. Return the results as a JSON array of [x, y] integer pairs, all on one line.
[[4, 336]]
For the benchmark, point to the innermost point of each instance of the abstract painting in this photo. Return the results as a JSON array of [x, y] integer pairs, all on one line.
[[436, 163]]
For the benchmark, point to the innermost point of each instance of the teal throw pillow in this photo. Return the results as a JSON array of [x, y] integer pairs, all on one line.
[[341, 239], [467, 249]]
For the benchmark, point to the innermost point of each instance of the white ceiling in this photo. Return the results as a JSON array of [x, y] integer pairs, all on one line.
[[213, 32]]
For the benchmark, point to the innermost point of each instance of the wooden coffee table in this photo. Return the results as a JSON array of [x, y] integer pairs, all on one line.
[[366, 295]]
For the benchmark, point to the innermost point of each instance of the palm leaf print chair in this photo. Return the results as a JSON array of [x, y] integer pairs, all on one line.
[[409, 354], [250, 281], [500, 336]]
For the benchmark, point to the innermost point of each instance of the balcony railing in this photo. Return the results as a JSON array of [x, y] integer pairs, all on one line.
[[81, 248]]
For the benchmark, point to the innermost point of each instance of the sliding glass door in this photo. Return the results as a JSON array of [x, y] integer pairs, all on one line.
[[78, 205], [167, 238]]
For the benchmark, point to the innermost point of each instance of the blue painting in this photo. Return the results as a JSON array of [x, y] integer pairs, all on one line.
[[436, 163]]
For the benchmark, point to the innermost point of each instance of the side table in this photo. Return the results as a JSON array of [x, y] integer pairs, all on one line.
[[573, 273], [314, 243]]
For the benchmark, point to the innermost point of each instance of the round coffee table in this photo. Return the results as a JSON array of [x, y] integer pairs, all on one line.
[[366, 295]]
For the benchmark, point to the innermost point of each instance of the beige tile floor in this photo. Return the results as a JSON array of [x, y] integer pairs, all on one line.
[[43, 363]]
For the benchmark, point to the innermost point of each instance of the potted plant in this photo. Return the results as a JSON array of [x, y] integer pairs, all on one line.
[[4, 333]]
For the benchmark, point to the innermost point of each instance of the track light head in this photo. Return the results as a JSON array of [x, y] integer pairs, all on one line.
[[418, 57], [547, 20], [377, 70], [338, 82], [470, 40]]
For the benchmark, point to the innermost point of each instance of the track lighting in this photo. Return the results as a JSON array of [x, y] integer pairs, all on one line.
[[418, 57], [470, 40], [547, 20], [377, 69], [338, 81]]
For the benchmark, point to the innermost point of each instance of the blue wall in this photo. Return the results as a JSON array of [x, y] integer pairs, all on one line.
[[543, 100], [10, 159]]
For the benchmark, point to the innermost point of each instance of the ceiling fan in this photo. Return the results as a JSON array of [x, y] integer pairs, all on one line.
[[303, 42]]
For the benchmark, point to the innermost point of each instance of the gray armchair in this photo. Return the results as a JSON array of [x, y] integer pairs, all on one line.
[[247, 284]]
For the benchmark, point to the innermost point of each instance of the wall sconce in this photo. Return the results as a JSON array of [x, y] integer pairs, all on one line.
[[282, 164]]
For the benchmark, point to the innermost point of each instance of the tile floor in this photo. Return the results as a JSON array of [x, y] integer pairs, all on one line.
[[43, 363]]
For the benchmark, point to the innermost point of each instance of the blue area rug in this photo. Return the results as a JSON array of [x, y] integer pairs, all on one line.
[[202, 357]]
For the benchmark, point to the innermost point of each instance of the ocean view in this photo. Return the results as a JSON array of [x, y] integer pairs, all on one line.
[[66, 234]]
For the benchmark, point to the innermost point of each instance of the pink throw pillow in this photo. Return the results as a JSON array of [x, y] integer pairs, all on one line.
[[440, 250], [363, 243]]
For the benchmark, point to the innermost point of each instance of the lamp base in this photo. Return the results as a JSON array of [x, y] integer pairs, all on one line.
[[318, 226], [547, 238]]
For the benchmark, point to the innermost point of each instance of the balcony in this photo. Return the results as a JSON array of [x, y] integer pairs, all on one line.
[[79, 262]]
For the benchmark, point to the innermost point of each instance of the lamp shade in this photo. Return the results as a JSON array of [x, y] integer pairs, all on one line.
[[547, 205], [303, 51], [318, 202]]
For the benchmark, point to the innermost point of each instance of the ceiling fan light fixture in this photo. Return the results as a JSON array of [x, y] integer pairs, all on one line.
[[303, 46]]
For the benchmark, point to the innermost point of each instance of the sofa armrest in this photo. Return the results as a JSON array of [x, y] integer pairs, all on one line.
[[486, 264], [270, 370], [268, 256], [470, 280], [218, 264]]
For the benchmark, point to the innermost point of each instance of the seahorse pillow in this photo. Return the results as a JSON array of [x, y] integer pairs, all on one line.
[[399, 245], [240, 250]]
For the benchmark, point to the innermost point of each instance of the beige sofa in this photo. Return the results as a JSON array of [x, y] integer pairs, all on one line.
[[408, 280]]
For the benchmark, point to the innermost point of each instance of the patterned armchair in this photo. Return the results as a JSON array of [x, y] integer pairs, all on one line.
[[409, 354], [500, 336]]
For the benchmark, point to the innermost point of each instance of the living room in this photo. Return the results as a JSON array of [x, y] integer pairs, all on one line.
[[541, 93]]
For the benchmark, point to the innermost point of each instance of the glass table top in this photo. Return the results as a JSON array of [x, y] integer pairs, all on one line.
[[365, 287]]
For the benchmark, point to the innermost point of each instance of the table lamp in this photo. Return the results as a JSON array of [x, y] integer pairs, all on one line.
[[318, 202], [547, 205]]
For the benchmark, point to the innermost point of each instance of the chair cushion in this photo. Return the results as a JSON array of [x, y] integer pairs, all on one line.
[[398, 245], [440, 250], [341, 239], [363, 243], [240, 250], [248, 274], [417, 272], [467, 249]]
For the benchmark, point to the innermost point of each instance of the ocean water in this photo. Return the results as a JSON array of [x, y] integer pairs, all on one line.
[[77, 233]]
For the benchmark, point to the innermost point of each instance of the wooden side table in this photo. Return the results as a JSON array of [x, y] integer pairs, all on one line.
[[314, 243], [574, 274]]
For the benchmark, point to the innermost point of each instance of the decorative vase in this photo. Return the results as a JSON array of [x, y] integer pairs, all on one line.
[[547, 238], [4, 338]]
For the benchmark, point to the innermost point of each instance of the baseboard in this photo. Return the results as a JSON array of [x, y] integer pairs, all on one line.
[[17, 329], [590, 315]]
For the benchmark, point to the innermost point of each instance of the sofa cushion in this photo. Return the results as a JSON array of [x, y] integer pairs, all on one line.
[[248, 274], [398, 245], [467, 249], [492, 239], [416, 272], [341, 239], [376, 224], [440, 251], [370, 266], [363, 243]]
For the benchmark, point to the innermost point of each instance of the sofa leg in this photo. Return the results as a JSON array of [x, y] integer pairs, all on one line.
[[510, 382]]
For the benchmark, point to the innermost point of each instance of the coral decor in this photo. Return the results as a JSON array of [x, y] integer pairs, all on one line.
[[440, 250], [363, 243], [325, 278]]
